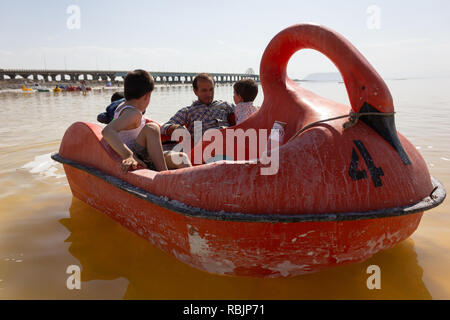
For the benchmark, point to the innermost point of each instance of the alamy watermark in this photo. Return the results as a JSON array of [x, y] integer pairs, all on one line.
[[268, 154], [374, 281], [74, 280], [373, 21], [74, 20]]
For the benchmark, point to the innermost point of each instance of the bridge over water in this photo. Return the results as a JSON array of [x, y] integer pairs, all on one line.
[[109, 75]]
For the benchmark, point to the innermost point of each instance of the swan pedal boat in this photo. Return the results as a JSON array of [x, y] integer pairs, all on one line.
[[340, 195]]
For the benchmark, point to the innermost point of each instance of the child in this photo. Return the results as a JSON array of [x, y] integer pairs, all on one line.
[[245, 92], [117, 96], [135, 141], [116, 99]]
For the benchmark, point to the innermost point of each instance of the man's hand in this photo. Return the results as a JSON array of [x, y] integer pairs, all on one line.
[[172, 128], [131, 163]]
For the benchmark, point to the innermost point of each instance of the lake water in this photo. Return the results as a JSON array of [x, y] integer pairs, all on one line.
[[44, 229]]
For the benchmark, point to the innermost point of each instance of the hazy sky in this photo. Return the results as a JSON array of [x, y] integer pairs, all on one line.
[[400, 38]]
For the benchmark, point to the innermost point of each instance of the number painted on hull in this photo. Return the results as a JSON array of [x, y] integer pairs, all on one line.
[[374, 171]]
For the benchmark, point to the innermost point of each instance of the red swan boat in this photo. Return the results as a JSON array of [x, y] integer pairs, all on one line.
[[339, 196]]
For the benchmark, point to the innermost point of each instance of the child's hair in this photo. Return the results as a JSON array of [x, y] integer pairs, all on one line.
[[117, 96], [247, 89], [202, 76], [137, 84]]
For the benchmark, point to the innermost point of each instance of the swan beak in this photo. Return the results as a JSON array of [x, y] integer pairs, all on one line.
[[385, 127]]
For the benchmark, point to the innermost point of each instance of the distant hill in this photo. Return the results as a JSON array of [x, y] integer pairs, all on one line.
[[324, 77]]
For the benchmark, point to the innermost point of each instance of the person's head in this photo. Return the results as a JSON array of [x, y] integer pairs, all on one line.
[[138, 85], [204, 88], [117, 96], [245, 90]]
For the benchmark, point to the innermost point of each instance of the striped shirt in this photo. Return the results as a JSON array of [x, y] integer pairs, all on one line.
[[214, 115]]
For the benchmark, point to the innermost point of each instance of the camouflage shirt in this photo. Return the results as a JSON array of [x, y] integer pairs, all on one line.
[[213, 116]]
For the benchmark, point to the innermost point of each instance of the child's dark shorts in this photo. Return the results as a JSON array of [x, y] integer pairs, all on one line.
[[142, 154]]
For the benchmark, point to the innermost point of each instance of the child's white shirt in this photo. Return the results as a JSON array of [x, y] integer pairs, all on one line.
[[243, 110]]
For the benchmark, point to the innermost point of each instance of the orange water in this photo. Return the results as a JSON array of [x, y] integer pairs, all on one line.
[[43, 229]]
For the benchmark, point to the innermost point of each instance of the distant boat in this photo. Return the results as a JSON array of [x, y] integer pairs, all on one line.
[[26, 89], [40, 88]]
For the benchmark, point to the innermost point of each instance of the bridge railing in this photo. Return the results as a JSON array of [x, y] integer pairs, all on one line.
[[160, 77]]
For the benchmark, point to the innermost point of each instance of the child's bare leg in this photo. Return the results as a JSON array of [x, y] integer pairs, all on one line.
[[173, 160], [150, 137]]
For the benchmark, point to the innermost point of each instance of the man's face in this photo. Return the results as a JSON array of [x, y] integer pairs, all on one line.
[[205, 91]]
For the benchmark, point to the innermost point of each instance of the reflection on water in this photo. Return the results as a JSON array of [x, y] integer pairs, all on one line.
[[43, 229], [108, 251]]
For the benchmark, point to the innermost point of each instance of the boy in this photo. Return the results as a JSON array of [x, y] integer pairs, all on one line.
[[135, 141], [245, 92]]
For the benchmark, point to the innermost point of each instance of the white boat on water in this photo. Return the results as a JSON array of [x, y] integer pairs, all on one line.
[[40, 88]]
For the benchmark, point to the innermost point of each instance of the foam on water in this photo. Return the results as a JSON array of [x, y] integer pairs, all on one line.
[[45, 166]]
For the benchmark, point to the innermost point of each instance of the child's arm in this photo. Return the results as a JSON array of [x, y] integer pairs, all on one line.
[[129, 119]]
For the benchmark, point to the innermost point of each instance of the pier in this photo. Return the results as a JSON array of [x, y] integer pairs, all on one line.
[[109, 75]]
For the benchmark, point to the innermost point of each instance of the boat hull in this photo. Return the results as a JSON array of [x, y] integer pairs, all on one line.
[[243, 248]]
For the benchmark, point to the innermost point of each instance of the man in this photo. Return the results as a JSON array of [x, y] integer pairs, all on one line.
[[212, 113]]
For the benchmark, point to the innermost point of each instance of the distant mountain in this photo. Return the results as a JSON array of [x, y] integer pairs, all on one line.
[[324, 77]]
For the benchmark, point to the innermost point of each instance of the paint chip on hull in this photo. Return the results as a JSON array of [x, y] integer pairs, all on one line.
[[287, 268], [198, 245]]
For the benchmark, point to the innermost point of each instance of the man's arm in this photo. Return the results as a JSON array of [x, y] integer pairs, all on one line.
[[178, 120], [232, 119], [231, 115]]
